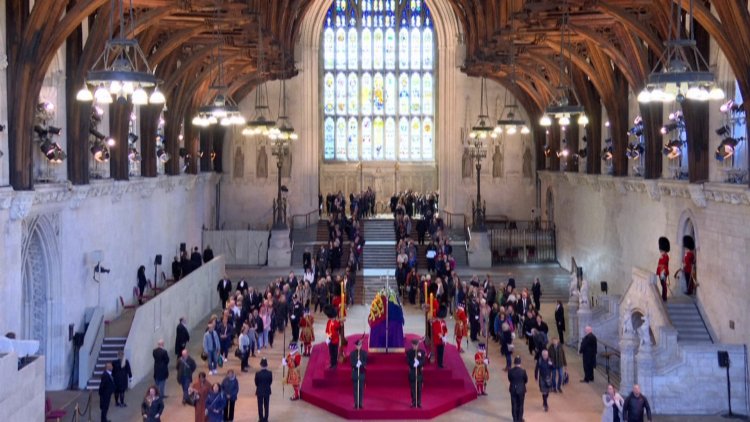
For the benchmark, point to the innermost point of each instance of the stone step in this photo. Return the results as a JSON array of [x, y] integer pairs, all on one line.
[[687, 320]]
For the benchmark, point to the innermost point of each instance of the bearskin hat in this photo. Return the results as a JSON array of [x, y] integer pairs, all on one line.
[[688, 242], [664, 244], [442, 312]]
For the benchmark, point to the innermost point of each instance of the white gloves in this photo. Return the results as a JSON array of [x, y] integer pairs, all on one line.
[[444, 338], [328, 340], [293, 316], [416, 363], [486, 361], [476, 317], [359, 364], [283, 361]]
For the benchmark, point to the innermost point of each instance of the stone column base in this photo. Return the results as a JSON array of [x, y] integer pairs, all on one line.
[[280, 249], [480, 252]]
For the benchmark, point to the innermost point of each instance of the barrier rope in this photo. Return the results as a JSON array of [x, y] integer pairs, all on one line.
[[87, 410]]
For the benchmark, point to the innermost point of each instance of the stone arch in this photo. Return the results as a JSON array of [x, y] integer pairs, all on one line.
[[41, 291], [636, 317], [688, 227], [550, 199]]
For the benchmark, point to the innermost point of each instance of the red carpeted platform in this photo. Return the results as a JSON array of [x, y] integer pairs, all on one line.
[[387, 385]]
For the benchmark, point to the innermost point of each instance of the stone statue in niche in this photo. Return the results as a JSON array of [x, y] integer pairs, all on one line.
[[497, 162], [286, 165], [583, 299], [627, 320], [239, 163], [644, 332], [261, 169], [573, 287], [527, 170], [466, 165]]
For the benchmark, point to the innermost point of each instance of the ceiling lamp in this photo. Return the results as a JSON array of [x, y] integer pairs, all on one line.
[[509, 121], [482, 130], [726, 149], [677, 79], [284, 129], [121, 71], [260, 124], [561, 108]]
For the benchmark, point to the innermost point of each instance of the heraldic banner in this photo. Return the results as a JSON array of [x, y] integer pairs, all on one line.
[[386, 322]]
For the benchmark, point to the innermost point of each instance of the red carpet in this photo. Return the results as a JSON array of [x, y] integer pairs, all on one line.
[[387, 385]]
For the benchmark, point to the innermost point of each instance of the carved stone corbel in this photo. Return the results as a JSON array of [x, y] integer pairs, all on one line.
[[697, 195], [21, 205]]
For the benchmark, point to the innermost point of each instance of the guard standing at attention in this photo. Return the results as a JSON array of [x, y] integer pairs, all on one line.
[[358, 359], [415, 359]]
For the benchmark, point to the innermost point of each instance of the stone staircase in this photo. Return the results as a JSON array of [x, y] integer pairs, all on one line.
[[108, 353], [687, 320], [379, 231]]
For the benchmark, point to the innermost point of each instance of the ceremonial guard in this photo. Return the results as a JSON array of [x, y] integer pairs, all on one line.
[[415, 359], [292, 362], [688, 264], [461, 328], [358, 360], [481, 372], [439, 333], [295, 315], [307, 333], [333, 329], [662, 268]]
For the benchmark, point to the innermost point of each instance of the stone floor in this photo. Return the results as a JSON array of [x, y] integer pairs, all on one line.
[[579, 402]]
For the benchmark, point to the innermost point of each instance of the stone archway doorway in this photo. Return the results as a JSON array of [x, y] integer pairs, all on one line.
[[687, 229]]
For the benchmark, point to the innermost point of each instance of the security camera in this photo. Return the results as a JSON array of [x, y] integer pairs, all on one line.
[[100, 269]]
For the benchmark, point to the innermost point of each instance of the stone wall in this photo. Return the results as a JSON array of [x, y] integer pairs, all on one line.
[[22, 391], [51, 234], [612, 224], [239, 247]]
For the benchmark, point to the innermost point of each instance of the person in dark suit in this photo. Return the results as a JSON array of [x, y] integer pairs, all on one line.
[[195, 258], [560, 320], [473, 318], [307, 259], [588, 352], [295, 316], [121, 374], [415, 359], [358, 360], [176, 269], [517, 378], [536, 293], [142, 283], [225, 289], [182, 337], [161, 368], [106, 389], [208, 254], [263, 380]]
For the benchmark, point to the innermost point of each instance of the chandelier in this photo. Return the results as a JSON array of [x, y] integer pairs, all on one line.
[[482, 129], [260, 124], [508, 121], [283, 129], [121, 71], [561, 108], [677, 79]]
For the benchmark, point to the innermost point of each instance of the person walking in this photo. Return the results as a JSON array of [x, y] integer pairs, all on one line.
[[106, 389], [211, 345], [231, 388], [215, 404], [247, 338], [635, 405], [199, 392], [152, 406], [263, 381], [122, 375], [560, 320], [536, 294], [182, 337], [588, 351], [506, 345], [557, 356], [358, 360], [161, 368], [543, 374], [185, 368], [415, 359], [517, 378], [613, 403]]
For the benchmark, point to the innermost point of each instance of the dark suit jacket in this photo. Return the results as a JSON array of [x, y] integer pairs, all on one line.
[[121, 374], [353, 356], [181, 339], [161, 364], [263, 380], [560, 318], [588, 347], [415, 373], [518, 379], [106, 387], [224, 291]]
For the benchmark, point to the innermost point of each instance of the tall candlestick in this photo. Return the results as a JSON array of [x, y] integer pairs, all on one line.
[[431, 314], [425, 291], [343, 300]]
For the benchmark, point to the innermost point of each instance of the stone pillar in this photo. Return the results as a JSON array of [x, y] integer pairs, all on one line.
[[573, 337], [480, 252], [628, 374], [644, 362], [280, 249]]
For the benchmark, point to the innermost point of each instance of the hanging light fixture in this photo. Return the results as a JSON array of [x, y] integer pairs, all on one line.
[[223, 109], [673, 77], [509, 122], [283, 129], [561, 108], [482, 129], [260, 124], [121, 71]]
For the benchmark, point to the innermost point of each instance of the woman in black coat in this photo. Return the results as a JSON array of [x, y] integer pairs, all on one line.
[[543, 373], [560, 320], [152, 406], [142, 283], [121, 374]]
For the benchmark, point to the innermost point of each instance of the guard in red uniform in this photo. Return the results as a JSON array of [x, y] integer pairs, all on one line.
[[688, 264], [333, 327], [292, 362], [307, 333], [439, 331], [662, 269], [428, 320], [481, 372], [461, 329]]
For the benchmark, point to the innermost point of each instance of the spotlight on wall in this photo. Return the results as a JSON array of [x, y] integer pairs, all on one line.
[[162, 155], [582, 153], [96, 134], [724, 130], [608, 150], [564, 152], [100, 151], [547, 151], [669, 127], [634, 150], [2, 128], [673, 149], [133, 155]]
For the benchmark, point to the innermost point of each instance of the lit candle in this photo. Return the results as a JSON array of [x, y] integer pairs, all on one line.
[[425, 291], [431, 314], [343, 300]]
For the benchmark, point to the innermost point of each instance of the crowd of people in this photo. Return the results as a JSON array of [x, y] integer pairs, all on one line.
[[361, 205]]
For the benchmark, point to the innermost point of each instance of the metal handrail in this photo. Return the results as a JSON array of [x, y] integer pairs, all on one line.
[[451, 216], [306, 216], [609, 351]]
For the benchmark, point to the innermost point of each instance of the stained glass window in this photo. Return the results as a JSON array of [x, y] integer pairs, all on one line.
[[378, 86]]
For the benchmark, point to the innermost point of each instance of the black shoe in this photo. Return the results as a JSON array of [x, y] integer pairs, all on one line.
[[413, 405], [546, 408], [419, 406], [586, 381]]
